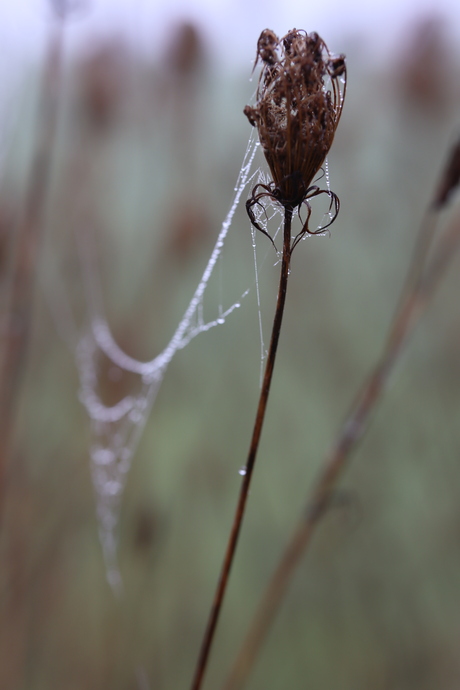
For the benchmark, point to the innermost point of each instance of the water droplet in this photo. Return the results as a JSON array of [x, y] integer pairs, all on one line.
[[220, 320], [103, 456], [135, 416], [112, 488], [242, 471], [115, 581]]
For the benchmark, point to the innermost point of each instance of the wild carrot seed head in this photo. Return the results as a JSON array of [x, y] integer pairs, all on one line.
[[299, 104]]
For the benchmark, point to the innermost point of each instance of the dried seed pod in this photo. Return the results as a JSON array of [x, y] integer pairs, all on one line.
[[298, 107]]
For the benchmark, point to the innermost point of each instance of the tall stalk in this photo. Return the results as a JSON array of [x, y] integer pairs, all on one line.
[[251, 460]]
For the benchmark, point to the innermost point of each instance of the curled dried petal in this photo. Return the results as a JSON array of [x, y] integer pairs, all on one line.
[[266, 47]]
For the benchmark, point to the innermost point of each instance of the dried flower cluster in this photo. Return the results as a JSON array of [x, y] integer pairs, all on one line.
[[299, 103]]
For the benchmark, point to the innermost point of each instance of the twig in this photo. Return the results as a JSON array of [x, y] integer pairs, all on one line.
[[420, 285], [250, 463]]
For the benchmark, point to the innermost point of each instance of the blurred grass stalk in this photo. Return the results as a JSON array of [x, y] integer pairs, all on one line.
[[426, 269], [27, 237], [17, 319]]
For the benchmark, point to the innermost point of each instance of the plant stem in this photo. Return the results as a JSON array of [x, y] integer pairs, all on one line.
[[250, 463], [421, 282]]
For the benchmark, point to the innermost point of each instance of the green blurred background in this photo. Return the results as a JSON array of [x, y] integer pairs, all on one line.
[[147, 158]]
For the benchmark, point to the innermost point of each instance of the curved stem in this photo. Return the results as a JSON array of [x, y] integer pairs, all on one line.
[[244, 491]]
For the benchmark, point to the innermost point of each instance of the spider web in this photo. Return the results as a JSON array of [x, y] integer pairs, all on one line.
[[117, 429]]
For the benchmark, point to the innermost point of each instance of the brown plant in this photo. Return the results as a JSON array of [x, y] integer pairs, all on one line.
[[299, 103]]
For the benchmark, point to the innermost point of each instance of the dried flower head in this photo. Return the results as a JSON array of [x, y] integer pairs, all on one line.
[[299, 103]]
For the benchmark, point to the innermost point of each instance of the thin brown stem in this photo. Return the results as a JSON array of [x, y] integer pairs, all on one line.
[[250, 463], [420, 285]]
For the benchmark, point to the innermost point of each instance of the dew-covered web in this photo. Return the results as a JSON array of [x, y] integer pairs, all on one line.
[[266, 215], [116, 429]]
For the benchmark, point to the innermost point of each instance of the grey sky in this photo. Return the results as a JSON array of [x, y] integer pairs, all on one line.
[[231, 26]]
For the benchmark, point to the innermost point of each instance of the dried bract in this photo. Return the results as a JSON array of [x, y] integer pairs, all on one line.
[[298, 107]]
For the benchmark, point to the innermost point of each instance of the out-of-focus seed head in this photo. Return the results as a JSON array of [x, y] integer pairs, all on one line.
[[103, 83], [186, 54], [299, 103]]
